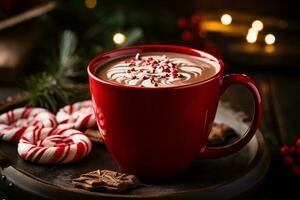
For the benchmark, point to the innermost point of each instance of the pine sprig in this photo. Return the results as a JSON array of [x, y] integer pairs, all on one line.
[[46, 91]]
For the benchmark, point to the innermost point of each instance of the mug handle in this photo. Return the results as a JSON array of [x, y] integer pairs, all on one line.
[[228, 80]]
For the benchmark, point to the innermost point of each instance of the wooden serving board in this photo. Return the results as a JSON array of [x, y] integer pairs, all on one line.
[[224, 178]]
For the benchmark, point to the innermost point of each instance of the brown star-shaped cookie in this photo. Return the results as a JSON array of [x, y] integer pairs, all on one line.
[[106, 180]]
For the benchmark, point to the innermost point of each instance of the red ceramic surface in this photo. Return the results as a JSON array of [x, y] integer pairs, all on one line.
[[157, 132]]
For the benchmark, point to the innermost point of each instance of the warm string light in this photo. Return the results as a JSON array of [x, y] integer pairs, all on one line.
[[257, 25], [252, 30], [119, 38], [226, 19], [90, 3], [252, 35], [270, 39]]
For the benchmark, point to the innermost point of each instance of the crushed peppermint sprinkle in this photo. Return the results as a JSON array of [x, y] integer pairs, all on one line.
[[160, 68], [156, 70]]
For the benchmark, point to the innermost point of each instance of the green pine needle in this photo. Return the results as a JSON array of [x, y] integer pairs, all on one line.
[[46, 91]]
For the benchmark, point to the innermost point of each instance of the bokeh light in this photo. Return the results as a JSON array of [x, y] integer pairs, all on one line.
[[257, 25], [252, 30], [270, 39], [251, 36], [90, 3], [119, 38], [226, 19]]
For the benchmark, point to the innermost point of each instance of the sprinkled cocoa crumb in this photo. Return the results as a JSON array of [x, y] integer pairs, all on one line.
[[181, 76]]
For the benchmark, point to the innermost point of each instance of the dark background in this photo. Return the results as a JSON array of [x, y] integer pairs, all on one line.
[[276, 74]]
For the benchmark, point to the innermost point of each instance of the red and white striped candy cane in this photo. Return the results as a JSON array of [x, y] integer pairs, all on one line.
[[15, 122], [79, 116], [54, 146]]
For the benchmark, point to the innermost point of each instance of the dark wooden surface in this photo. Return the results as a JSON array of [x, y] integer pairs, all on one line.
[[281, 97]]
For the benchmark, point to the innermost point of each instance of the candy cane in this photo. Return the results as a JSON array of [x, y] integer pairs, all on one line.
[[15, 122], [79, 116], [54, 145]]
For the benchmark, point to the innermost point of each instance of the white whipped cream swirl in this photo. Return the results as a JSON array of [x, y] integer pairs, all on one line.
[[156, 70]]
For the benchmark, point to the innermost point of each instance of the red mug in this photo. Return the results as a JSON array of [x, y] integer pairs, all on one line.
[[157, 132]]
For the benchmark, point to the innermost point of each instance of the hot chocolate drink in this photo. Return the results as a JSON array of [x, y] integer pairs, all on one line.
[[157, 69], [155, 109]]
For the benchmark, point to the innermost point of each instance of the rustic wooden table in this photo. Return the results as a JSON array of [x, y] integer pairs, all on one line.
[[281, 95]]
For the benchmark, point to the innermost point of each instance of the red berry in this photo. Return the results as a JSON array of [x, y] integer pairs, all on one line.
[[297, 151], [182, 22], [187, 36], [298, 142], [284, 150], [288, 160], [292, 150], [295, 170]]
